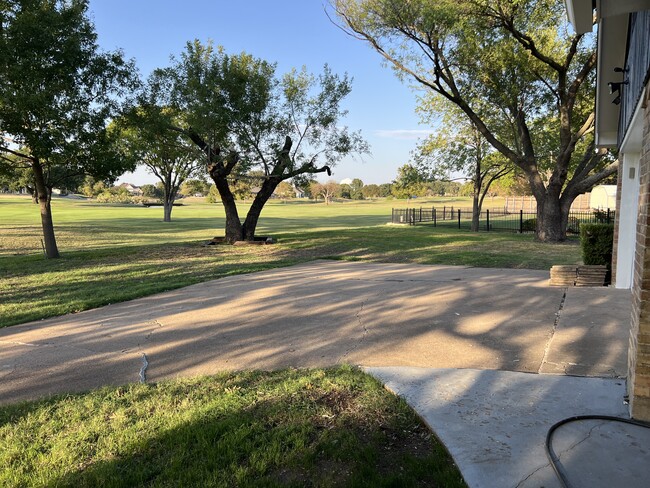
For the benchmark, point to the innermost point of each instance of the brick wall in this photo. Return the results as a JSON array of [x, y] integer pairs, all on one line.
[[639, 349]]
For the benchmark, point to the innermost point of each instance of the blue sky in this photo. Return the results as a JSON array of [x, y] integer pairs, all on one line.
[[292, 33]]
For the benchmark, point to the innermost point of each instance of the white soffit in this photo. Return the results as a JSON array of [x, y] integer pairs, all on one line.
[[612, 8], [581, 14], [612, 39]]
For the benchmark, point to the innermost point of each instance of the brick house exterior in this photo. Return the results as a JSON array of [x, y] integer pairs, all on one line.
[[623, 122]]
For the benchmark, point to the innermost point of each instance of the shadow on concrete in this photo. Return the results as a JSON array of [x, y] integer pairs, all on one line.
[[312, 315]]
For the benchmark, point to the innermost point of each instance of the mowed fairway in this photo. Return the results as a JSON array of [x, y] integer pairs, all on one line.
[[113, 253]]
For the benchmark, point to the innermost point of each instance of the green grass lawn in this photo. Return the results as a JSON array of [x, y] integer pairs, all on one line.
[[335, 427], [116, 253]]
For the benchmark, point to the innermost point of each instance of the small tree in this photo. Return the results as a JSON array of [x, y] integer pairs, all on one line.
[[385, 190], [193, 187], [464, 152], [326, 191], [166, 154], [151, 191], [410, 182], [285, 190], [370, 191], [356, 188]]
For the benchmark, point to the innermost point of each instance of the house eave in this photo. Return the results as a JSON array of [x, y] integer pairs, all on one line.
[[580, 14], [612, 40]]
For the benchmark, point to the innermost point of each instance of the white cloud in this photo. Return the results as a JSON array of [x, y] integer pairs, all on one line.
[[404, 134]]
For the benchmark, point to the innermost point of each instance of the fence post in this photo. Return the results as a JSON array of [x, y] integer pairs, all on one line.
[[487, 217], [521, 221], [420, 214], [434, 217], [459, 218], [444, 211], [608, 216], [392, 217]]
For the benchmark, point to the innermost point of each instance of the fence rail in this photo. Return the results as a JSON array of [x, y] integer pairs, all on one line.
[[493, 219]]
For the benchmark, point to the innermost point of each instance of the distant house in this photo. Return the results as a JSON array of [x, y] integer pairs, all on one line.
[[298, 192], [132, 189], [603, 197]]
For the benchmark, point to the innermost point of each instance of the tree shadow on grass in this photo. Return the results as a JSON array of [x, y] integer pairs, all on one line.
[[262, 429]]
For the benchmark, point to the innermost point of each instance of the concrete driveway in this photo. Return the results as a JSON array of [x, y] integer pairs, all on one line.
[[324, 313]]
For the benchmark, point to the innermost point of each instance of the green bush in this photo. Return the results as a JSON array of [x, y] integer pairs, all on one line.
[[597, 242], [529, 225]]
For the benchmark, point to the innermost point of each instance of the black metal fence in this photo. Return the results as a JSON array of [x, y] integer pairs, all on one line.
[[493, 219]]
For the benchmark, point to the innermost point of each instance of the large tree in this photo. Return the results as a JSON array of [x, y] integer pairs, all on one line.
[[57, 93], [518, 73], [243, 117]]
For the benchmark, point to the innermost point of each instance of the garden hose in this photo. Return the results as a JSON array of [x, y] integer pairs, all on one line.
[[549, 449]]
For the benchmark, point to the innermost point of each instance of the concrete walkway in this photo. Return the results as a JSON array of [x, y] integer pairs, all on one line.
[[320, 314], [497, 325], [494, 424]]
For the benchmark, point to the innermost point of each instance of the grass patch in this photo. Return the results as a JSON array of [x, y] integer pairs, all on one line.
[[116, 253], [332, 427]]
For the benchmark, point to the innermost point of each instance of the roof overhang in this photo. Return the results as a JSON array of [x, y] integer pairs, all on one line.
[[612, 17], [612, 42], [581, 15]]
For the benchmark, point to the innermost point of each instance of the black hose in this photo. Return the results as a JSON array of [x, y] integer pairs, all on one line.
[[549, 449]]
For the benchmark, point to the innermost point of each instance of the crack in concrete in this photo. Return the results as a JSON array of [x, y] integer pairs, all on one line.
[[556, 323], [600, 424], [8, 373], [532, 474], [145, 362], [363, 336], [154, 322], [143, 369]]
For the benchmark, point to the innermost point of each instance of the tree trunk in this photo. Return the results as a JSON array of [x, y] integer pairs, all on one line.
[[34, 194], [169, 197], [167, 210], [234, 229], [476, 211], [44, 197], [476, 197], [268, 187], [552, 218]]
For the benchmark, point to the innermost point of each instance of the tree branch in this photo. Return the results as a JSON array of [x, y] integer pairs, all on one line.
[[16, 153]]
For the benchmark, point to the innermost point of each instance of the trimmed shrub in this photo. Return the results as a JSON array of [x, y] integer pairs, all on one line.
[[529, 225], [597, 242]]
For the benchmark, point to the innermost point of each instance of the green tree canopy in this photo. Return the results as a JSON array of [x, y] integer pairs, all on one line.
[[242, 116], [166, 154], [57, 95], [515, 69]]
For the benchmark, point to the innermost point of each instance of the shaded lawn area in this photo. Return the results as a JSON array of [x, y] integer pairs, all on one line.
[[332, 427], [33, 287]]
